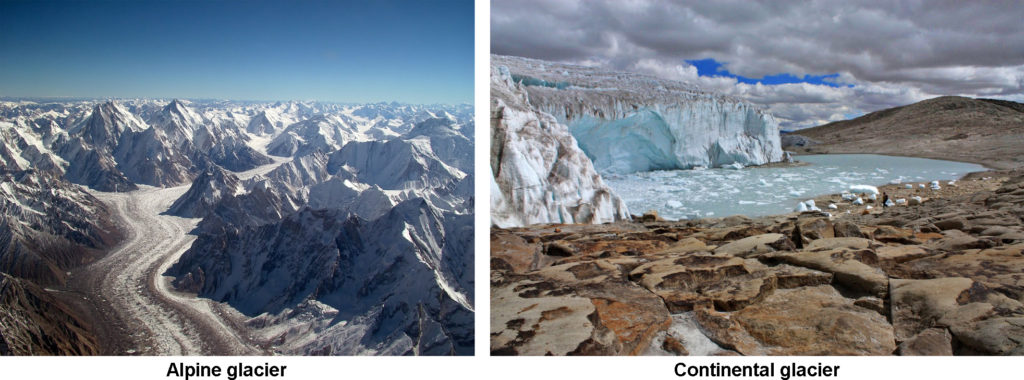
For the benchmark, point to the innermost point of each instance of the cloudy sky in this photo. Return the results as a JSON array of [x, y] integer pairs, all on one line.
[[808, 62]]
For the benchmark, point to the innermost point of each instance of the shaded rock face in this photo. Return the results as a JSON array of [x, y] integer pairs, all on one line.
[[856, 285], [34, 323]]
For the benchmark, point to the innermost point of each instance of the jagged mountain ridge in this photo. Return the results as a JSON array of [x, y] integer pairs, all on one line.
[[116, 145]]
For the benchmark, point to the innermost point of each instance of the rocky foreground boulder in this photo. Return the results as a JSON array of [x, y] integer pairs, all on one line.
[[945, 277]]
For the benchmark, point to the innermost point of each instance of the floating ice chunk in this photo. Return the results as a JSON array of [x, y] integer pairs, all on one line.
[[935, 185], [674, 203], [908, 186], [796, 193], [864, 189], [858, 202], [921, 185], [896, 181], [734, 166], [833, 206], [849, 196], [807, 205]]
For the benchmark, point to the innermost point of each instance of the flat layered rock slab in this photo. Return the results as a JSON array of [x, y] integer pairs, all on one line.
[[814, 320], [586, 308], [919, 304], [930, 342], [728, 283], [539, 325], [755, 245], [1000, 267], [848, 267], [840, 242], [995, 336]]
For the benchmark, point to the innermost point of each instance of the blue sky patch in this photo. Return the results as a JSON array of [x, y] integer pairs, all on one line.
[[709, 67]]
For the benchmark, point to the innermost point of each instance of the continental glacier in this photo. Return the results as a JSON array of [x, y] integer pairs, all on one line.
[[628, 122]]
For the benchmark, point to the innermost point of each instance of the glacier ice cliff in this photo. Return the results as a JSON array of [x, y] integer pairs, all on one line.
[[628, 122], [538, 173]]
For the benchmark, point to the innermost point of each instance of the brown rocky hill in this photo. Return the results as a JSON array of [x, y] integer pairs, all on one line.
[[985, 131]]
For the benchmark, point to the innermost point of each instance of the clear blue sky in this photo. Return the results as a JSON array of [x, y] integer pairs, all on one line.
[[345, 51], [709, 67]]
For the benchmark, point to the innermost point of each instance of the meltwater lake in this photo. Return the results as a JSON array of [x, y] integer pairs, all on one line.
[[700, 193]]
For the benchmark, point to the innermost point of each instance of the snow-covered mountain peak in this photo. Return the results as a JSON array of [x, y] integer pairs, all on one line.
[[107, 122]]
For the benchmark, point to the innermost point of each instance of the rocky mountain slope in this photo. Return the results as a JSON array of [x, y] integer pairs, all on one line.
[[939, 277], [984, 131], [47, 228]]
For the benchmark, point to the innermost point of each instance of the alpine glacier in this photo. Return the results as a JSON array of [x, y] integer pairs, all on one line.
[[325, 228]]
